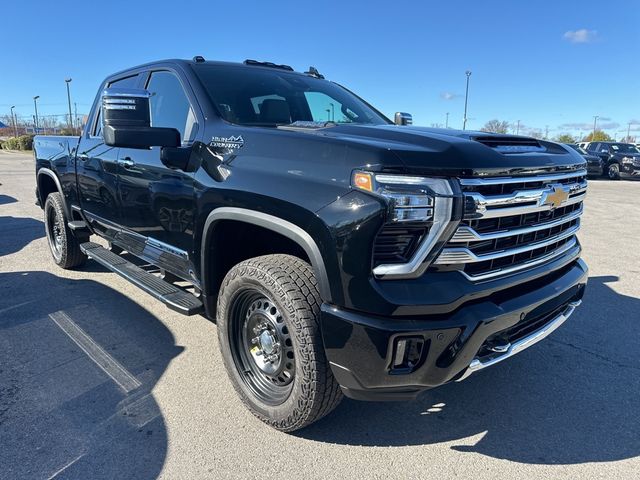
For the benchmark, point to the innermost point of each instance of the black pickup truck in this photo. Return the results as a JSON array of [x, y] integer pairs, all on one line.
[[618, 159], [338, 252]]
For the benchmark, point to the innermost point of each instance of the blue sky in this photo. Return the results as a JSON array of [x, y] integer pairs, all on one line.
[[555, 63]]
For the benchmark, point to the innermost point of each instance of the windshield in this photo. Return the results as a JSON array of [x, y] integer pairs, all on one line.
[[578, 148], [271, 97], [623, 148]]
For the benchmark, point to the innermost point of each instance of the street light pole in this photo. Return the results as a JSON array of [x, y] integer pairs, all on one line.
[[466, 98], [446, 122], [518, 128], [595, 122], [35, 106], [15, 124], [628, 131], [68, 81], [333, 112]]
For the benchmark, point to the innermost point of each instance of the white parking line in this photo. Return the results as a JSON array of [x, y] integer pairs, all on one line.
[[16, 306], [65, 467], [95, 352]]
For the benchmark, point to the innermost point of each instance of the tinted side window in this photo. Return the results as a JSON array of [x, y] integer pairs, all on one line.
[[170, 106], [592, 147], [126, 82]]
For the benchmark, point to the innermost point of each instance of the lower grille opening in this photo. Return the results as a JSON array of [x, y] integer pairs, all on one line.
[[534, 321]]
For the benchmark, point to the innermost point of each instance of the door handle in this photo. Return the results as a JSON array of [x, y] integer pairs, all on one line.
[[83, 157], [126, 162]]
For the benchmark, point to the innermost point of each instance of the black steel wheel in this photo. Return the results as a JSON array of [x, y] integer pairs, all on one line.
[[269, 331], [261, 346], [64, 246]]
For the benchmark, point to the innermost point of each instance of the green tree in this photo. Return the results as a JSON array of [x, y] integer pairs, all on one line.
[[599, 136], [565, 138], [496, 126]]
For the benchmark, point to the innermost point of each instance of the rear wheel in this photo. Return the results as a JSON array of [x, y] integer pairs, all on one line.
[[268, 326], [613, 172], [64, 246]]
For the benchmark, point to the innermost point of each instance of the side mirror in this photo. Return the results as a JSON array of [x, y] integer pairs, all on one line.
[[402, 118], [126, 121]]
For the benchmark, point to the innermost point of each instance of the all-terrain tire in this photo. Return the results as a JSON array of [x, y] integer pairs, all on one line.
[[291, 289], [63, 244]]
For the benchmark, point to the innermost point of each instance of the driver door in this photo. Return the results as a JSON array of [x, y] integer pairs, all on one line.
[[158, 202]]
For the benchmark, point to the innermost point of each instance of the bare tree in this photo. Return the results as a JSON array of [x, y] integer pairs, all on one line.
[[496, 126]]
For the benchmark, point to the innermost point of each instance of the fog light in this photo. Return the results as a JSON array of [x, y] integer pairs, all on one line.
[[408, 353]]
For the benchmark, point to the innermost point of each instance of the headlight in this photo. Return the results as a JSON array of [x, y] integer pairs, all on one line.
[[627, 159], [420, 212]]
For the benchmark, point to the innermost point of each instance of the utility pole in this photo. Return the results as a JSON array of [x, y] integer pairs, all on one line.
[[35, 106], [518, 128], [466, 99], [446, 122], [68, 81], [15, 123], [595, 122], [75, 114], [546, 132], [628, 132], [333, 112]]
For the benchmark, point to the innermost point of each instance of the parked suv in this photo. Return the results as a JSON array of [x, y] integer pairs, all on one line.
[[339, 254], [619, 159], [594, 162]]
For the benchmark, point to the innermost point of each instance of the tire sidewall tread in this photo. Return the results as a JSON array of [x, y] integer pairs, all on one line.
[[70, 254], [289, 282]]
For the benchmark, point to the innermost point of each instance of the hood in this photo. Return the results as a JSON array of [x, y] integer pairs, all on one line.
[[445, 152]]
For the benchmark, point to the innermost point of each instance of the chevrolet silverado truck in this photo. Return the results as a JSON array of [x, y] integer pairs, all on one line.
[[339, 253], [618, 159]]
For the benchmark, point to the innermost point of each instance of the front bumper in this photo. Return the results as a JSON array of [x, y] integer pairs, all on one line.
[[630, 169], [364, 350]]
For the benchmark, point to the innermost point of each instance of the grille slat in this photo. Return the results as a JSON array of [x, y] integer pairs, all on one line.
[[515, 225]]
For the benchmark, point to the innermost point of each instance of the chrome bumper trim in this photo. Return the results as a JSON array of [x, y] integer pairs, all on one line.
[[522, 344]]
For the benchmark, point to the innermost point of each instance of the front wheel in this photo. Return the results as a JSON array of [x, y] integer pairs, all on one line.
[[268, 326], [613, 172]]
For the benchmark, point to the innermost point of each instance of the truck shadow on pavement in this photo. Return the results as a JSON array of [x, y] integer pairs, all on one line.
[[4, 199], [18, 232], [573, 398], [78, 362]]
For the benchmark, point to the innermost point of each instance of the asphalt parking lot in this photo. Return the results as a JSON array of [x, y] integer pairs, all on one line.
[[161, 405]]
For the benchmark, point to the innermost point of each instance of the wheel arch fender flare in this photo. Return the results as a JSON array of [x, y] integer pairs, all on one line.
[[50, 173], [275, 224]]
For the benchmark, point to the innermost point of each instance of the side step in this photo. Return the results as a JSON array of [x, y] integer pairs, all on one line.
[[172, 296]]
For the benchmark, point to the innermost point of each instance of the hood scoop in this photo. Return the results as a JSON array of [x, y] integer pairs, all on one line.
[[509, 144]]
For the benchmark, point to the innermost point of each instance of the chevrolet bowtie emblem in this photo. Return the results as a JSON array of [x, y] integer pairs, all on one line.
[[555, 196]]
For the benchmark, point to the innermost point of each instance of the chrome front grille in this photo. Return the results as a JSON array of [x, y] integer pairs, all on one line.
[[512, 224]]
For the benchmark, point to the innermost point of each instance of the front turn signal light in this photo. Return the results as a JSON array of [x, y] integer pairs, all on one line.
[[363, 181]]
